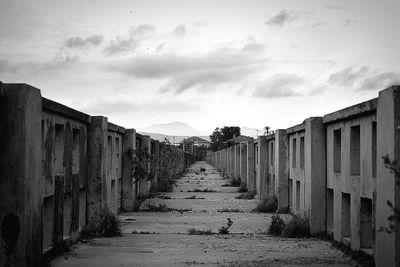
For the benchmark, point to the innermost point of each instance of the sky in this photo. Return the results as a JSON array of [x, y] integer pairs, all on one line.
[[206, 63]]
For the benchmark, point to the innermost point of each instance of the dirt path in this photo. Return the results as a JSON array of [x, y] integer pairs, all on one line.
[[162, 239]]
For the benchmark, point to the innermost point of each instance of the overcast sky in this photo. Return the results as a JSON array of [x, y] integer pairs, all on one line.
[[206, 63]]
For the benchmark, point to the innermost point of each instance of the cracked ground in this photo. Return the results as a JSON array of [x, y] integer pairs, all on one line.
[[201, 201]]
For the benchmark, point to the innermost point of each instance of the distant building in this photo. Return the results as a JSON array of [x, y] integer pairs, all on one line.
[[197, 146]]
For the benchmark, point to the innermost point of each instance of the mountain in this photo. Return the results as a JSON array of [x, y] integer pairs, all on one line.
[[173, 129], [172, 138]]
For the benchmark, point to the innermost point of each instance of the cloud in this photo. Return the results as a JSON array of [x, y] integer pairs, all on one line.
[[180, 30], [348, 76], [279, 85], [292, 17], [380, 81], [74, 42], [129, 42], [223, 65], [124, 104], [282, 17]]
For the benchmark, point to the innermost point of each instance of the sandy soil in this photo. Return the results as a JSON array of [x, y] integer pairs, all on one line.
[[162, 239]]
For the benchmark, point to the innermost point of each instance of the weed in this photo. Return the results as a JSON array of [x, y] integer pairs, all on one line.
[[235, 183], [165, 197], [361, 257], [196, 190], [194, 231], [108, 226], [247, 195], [224, 230], [297, 227], [191, 197], [285, 210], [277, 225], [268, 204], [202, 169], [243, 188], [141, 232]]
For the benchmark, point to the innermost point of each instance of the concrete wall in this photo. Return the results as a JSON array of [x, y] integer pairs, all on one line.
[[330, 170], [61, 169]]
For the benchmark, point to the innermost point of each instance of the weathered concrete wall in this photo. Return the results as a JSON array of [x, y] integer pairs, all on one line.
[[330, 170], [20, 175], [60, 170], [387, 246]]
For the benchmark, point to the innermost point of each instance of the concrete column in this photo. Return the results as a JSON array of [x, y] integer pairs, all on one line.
[[243, 162], [237, 162], [144, 185], [387, 246], [250, 165], [281, 169], [20, 174], [315, 176], [97, 169], [128, 181], [262, 167]]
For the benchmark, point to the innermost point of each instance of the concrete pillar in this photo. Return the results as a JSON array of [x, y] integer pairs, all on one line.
[[387, 246], [20, 175], [97, 169], [250, 165], [236, 175], [128, 181], [315, 176], [243, 162], [281, 169], [262, 167], [144, 185]]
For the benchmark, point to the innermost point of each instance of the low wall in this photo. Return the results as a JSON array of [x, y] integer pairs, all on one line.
[[61, 168], [330, 169]]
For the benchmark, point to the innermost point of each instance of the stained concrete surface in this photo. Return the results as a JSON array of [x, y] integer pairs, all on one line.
[[163, 238]]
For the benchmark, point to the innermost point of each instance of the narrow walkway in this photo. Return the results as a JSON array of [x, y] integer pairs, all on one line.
[[162, 239]]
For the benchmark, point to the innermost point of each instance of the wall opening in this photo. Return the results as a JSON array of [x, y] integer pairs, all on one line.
[[346, 219], [82, 208], [113, 192], [298, 195], [109, 155], [294, 153], [75, 151], [47, 222], [302, 152], [291, 193], [67, 213], [355, 150], [337, 151], [366, 226], [329, 209], [374, 162], [59, 150], [272, 154]]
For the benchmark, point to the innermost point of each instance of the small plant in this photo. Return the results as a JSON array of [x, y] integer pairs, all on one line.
[[277, 225], [224, 230], [235, 183], [202, 169], [268, 204], [191, 197], [194, 231], [247, 195], [108, 227], [285, 210], [243, 188], [297, 227]]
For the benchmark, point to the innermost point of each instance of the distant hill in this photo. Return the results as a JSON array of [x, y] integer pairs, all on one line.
[[172, 138], [173, 129]]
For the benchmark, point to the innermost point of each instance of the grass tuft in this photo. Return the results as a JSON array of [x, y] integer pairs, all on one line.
[[268, 205], [297, 227], [243, 188], [194, 231], [247, 195]]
